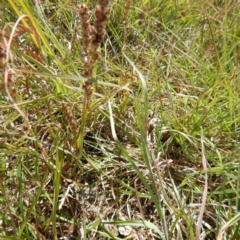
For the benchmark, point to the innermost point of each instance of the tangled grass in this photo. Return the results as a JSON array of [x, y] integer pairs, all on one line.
[[129, 135]]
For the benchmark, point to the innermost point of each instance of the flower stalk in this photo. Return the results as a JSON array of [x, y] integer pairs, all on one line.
[[92, 36]]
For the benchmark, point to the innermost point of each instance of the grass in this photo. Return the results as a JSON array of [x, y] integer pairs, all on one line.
[[155, 154]]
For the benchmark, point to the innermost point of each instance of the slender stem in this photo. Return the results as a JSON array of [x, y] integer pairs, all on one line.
[[81, 131]]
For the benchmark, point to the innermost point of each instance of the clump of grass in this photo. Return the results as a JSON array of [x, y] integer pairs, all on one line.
[[138, 142]]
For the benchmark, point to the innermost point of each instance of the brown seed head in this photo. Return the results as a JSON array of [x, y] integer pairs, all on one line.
[[83, 9], [101, 13], [103, 2]]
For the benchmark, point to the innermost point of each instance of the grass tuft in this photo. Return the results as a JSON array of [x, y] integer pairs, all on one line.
[[119, 120]]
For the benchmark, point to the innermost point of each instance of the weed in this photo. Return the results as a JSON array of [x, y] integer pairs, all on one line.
[[119, 120]]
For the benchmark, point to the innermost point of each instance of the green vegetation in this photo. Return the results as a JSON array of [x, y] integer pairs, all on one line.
[[152, 152]]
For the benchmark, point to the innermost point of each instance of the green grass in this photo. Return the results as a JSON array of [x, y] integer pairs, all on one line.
[[165, 99]]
